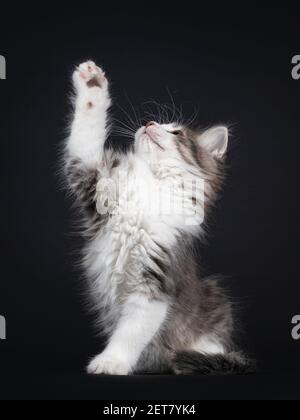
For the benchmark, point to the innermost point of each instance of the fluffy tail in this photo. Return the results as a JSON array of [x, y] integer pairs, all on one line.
[[194, 363]]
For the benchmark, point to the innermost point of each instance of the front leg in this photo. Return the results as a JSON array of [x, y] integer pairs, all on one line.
[[89, 127], [141, 320], [85, 146]]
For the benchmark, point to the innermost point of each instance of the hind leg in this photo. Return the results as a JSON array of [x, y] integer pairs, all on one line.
[[208, 344], [153, 361], [209, 356], [194, 363]]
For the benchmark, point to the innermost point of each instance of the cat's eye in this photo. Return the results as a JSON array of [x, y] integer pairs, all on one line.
[[177, 133]]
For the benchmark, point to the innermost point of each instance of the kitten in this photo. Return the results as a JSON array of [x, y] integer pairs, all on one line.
[[157, 311]]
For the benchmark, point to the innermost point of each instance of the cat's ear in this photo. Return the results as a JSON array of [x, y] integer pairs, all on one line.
[[215, 141]]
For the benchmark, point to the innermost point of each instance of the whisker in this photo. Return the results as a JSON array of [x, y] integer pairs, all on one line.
[[173, 104], [138, 120], [124, 124], [193, 118], [122, 133], [130, 120], [160, 109], [121, 130]]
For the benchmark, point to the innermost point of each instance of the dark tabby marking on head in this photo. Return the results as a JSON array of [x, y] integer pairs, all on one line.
[[192, 362], [195, 155], [186, 150]]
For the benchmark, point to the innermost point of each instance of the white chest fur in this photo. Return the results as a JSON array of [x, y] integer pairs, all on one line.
[[143, 211]]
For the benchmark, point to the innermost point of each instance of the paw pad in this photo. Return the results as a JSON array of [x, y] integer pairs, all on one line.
[[91, 75]]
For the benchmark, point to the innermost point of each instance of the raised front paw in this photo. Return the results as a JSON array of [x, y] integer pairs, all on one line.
[[106, 364], [88, 76]]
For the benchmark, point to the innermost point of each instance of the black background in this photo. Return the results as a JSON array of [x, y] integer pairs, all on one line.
[[234, 64]]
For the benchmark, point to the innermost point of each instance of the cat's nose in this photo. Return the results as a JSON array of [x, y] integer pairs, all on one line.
[[150, 124]]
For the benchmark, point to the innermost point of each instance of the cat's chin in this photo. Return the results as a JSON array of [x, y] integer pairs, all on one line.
[[147, 145]]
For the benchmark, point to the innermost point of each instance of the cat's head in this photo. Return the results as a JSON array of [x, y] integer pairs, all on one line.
[[179, 146], [193, 156]]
